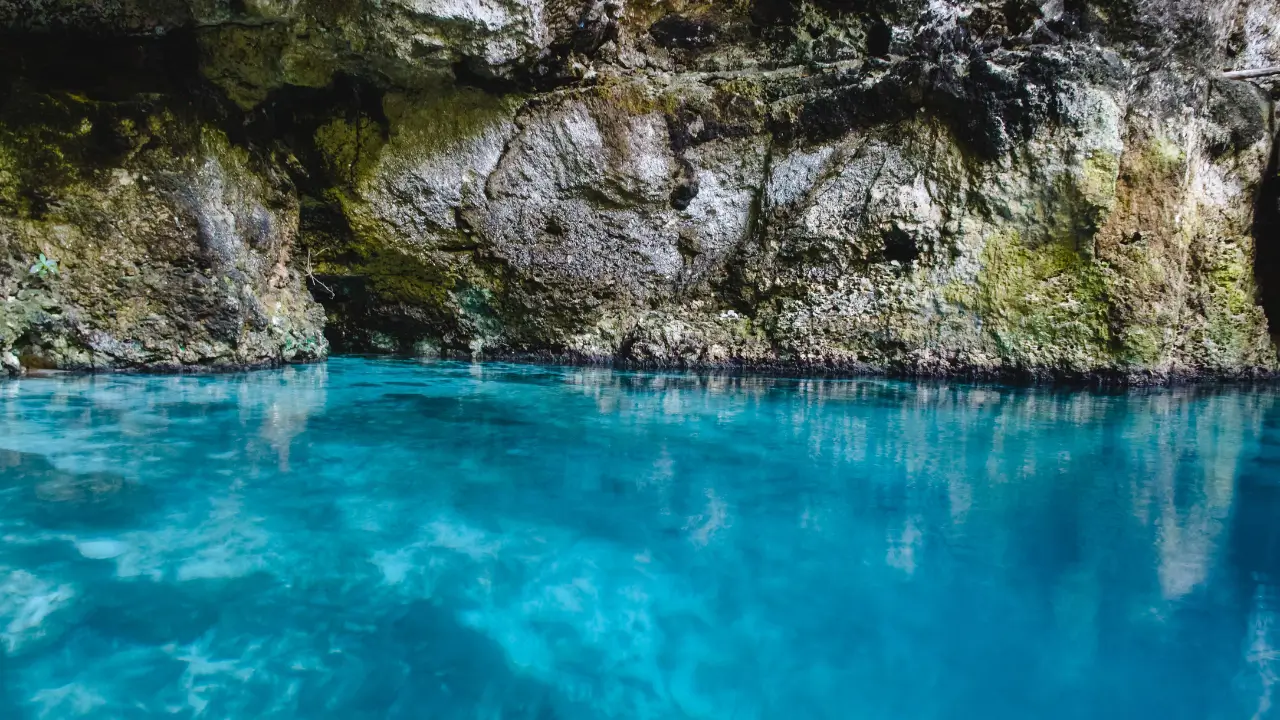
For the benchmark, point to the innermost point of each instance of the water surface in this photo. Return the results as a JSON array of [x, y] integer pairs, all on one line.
[[394, 540]]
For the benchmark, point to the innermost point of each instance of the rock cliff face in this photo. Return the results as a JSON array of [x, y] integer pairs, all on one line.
[[1068, 188]]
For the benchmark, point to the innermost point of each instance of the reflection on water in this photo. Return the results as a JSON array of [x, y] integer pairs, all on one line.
[[394, 540]]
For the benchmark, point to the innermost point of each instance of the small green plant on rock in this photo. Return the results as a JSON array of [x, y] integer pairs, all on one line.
[[44, 267], [309, 345]]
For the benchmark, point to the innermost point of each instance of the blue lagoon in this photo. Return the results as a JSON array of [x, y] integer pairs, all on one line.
[[389, 539]]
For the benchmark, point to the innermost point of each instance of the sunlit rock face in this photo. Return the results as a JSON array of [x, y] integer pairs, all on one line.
[[1065, 189]]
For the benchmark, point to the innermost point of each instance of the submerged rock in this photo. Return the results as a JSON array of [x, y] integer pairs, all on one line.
[[946, 188], [33, 610]]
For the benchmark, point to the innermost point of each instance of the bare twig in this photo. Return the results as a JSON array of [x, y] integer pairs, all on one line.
[[1254, 73], [312, 277]]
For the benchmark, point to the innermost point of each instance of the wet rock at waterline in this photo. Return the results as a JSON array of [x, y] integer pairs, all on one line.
[[946, 188]]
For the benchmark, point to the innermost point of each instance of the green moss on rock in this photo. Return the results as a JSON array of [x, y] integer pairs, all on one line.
[[349, 149], [1044, 306], [434, 122], [8, 179]]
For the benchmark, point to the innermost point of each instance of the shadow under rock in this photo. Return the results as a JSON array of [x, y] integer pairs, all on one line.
[[1266, 240]]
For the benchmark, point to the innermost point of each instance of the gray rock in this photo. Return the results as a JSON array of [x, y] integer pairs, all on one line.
[[931, 188]]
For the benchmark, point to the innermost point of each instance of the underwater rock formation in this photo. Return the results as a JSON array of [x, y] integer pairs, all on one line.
[[1064, 189]]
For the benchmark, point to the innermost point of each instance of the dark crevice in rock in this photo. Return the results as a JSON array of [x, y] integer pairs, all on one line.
[[769, 15], [879, 38], [738, 286], [1266, 240], [291, 116], [289, 120], [359, 321], [107, 68], [687, 187], [470, 72], [295, 121], [900, 246], [679, 32]]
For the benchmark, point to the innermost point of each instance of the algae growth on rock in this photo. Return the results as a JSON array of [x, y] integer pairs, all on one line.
[[953, 188]]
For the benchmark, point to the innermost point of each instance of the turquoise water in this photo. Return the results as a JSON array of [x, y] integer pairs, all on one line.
[[386, 539]]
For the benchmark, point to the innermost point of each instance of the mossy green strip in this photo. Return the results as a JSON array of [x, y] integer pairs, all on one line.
[[1044, 306]]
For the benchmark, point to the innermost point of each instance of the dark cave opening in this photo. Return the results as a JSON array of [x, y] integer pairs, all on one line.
[[358, 321], [1266, 241]]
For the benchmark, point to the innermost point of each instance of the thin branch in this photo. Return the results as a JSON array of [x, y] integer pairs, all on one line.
[[312, 277], [1254, 73]]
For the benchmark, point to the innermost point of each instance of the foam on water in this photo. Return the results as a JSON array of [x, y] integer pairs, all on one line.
[[383, 539]]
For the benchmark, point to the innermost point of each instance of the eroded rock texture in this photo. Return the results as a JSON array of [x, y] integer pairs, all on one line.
[[1057, 189], [169, 246]]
